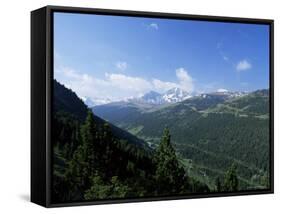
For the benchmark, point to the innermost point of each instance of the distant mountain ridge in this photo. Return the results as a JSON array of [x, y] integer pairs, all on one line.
[[173, 95], [209, 128]]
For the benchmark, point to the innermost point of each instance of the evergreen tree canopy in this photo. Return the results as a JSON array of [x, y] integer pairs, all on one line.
[[218, 184], [231, 180], [169, 174], [90, 145]]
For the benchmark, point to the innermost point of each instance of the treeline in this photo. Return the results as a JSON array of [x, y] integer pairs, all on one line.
[[90, 163]]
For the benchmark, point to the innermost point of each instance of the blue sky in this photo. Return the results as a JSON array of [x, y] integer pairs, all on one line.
[[119, 57]]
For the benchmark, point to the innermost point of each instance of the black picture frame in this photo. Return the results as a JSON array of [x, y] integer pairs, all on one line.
[[41, 100]]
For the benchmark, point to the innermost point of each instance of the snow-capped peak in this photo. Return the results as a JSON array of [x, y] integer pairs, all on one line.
[[171, 96], [176, 95]]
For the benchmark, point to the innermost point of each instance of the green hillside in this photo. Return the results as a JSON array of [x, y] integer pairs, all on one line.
[[210, 133]]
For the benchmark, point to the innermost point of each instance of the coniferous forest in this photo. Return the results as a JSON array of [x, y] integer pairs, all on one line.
[[94, 159]]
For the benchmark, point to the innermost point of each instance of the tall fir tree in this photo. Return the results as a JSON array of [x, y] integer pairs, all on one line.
[[218, 185], [90, 144], [231, 180], [170, 176], [82, 165]]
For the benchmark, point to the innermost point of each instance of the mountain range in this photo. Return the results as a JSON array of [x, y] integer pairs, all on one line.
[[210, 131], [172, 95]]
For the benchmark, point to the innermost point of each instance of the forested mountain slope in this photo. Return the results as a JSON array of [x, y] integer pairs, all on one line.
[[210, 131], [67, 101], [93, 161]]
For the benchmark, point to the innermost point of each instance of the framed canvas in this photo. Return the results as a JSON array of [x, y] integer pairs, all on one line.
[[131, 106]]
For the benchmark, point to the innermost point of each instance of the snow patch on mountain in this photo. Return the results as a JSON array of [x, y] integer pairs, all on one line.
[[171, 96], [175, 95]]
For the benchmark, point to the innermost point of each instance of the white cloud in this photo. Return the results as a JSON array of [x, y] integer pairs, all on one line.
[[118, 86], [243, 65], [185, 80], [123, 82], [121, 65], [112, 86], [153, 26], [83, 84], [162, 86], [222, 90]]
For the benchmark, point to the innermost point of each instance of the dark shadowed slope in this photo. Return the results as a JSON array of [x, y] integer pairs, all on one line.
[[66, 100]]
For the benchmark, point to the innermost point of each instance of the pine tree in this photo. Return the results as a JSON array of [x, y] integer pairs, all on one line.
[[170, 176], [82, 165], [107, 141], [98, 189], [84, 160], [107, 135], [231, 180], [101, 189], [89, 142], [78, 138], [77, 170], [105, 149], [218, 184]]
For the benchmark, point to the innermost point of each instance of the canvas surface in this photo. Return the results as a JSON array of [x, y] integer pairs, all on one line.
[[155, 107]]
